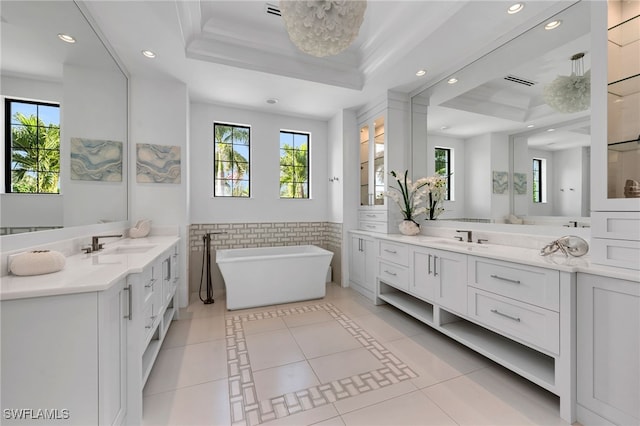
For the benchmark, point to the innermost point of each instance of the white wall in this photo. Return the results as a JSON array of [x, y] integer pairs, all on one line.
[[160, 116], [500, 163], [87, 202], [478, 179], [26, 210], [265, 204]]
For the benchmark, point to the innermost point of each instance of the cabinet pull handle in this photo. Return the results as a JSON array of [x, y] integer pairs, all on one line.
[[371, 215], [390, 251], [130, 297], [370, 226], [498, 277], [435, 266], [429, 264], [390, 273], [497, 312]]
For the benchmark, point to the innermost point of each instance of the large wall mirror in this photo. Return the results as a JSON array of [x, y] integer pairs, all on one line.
[[90, 87], [516, 158]]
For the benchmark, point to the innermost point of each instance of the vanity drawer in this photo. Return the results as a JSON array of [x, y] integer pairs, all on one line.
[[530, 284], [373, 226], [395, 275], [520, 321], [372, 216], [396, 253]]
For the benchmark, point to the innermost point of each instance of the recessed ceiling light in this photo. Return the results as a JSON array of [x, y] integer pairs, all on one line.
[[452, 80], [420, 73], [617, 101], [530, 126], [66, 38], [552, 25], [149, 54], [444, 127], [272, 101], [515, 8], [551, 130]]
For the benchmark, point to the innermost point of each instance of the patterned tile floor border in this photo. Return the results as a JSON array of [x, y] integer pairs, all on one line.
[[245, 407]]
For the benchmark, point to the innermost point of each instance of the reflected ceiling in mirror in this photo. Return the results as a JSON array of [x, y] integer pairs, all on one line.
[[501, 95], [91, 89]]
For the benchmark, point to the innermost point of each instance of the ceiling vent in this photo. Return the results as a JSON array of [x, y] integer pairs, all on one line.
[[519, 80], [272, 9]]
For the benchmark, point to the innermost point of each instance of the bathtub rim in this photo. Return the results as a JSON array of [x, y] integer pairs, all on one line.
[[227, 255]]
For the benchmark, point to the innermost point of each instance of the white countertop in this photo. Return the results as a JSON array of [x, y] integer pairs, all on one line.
[[89, 272], [526, 256]]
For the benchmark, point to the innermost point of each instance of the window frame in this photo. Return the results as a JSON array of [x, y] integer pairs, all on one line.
[[449, 173], [248, 162], [538, 177], [308, 165], [8, 144]]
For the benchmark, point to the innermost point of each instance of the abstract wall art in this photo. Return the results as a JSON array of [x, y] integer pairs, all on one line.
[[520, 183], [500, 182], [96, 160], [157, 163]]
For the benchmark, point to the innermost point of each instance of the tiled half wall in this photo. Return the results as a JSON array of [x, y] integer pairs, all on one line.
[[327, 235]]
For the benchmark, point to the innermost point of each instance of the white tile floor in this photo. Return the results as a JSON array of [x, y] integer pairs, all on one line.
[[336, 361]]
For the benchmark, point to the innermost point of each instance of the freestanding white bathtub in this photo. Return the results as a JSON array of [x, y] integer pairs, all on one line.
[[273, 275]]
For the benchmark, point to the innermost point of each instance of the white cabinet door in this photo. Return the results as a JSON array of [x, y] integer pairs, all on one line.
[[362, 265], [112, 334], [450, 274], [609, 348], [422, 282]]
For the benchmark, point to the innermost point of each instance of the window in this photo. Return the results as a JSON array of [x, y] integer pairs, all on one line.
[[32, 147], [444, 167], [231, 177], [294, 165], [538, 181]]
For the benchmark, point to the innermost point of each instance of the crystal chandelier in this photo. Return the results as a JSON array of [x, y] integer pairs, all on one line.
[[570, 93], [320, 27]]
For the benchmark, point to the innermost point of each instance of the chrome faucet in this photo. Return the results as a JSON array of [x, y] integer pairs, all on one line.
[[95, 241], [469, 236]]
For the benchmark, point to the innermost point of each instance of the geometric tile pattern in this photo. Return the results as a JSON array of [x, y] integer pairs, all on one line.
[[245, 407]]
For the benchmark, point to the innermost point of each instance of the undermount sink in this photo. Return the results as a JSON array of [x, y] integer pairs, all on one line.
[[457, 243], [130, 249]]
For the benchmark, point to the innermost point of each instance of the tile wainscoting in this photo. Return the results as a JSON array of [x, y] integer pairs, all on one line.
[[327, 235]]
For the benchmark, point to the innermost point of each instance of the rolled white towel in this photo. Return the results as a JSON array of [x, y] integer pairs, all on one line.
[[36, 262]]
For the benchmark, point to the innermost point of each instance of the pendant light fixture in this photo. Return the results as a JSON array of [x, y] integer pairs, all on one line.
[[322, 28], [570, 93]]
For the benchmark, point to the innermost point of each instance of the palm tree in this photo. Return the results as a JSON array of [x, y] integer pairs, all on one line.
[[294, 176], [35, 156], [230, 166]]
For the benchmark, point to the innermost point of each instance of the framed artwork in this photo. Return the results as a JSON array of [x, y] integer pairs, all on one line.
[[520, 183], [500, 182], [96, 160], [157, 163]]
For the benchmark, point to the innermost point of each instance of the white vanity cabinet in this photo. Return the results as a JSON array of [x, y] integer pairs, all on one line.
[[439, 276], [520, 316], [609, 351], [362, 265], [153, 308], [66, 354]]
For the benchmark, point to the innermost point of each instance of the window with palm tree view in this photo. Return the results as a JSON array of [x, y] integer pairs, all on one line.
[[231, 177], [32, 147], [294, 165]]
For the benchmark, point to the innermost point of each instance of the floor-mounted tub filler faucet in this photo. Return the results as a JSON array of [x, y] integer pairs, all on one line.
[[469, 236], [95, 241]]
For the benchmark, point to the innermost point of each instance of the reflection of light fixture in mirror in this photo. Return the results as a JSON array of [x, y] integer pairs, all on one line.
[[570, 93], [452, 80], [551, 130], [322, 28], [421, 72], [515, 8], [552, 25], [444, 128], [530, 126], [66, 38], [149, 54]]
